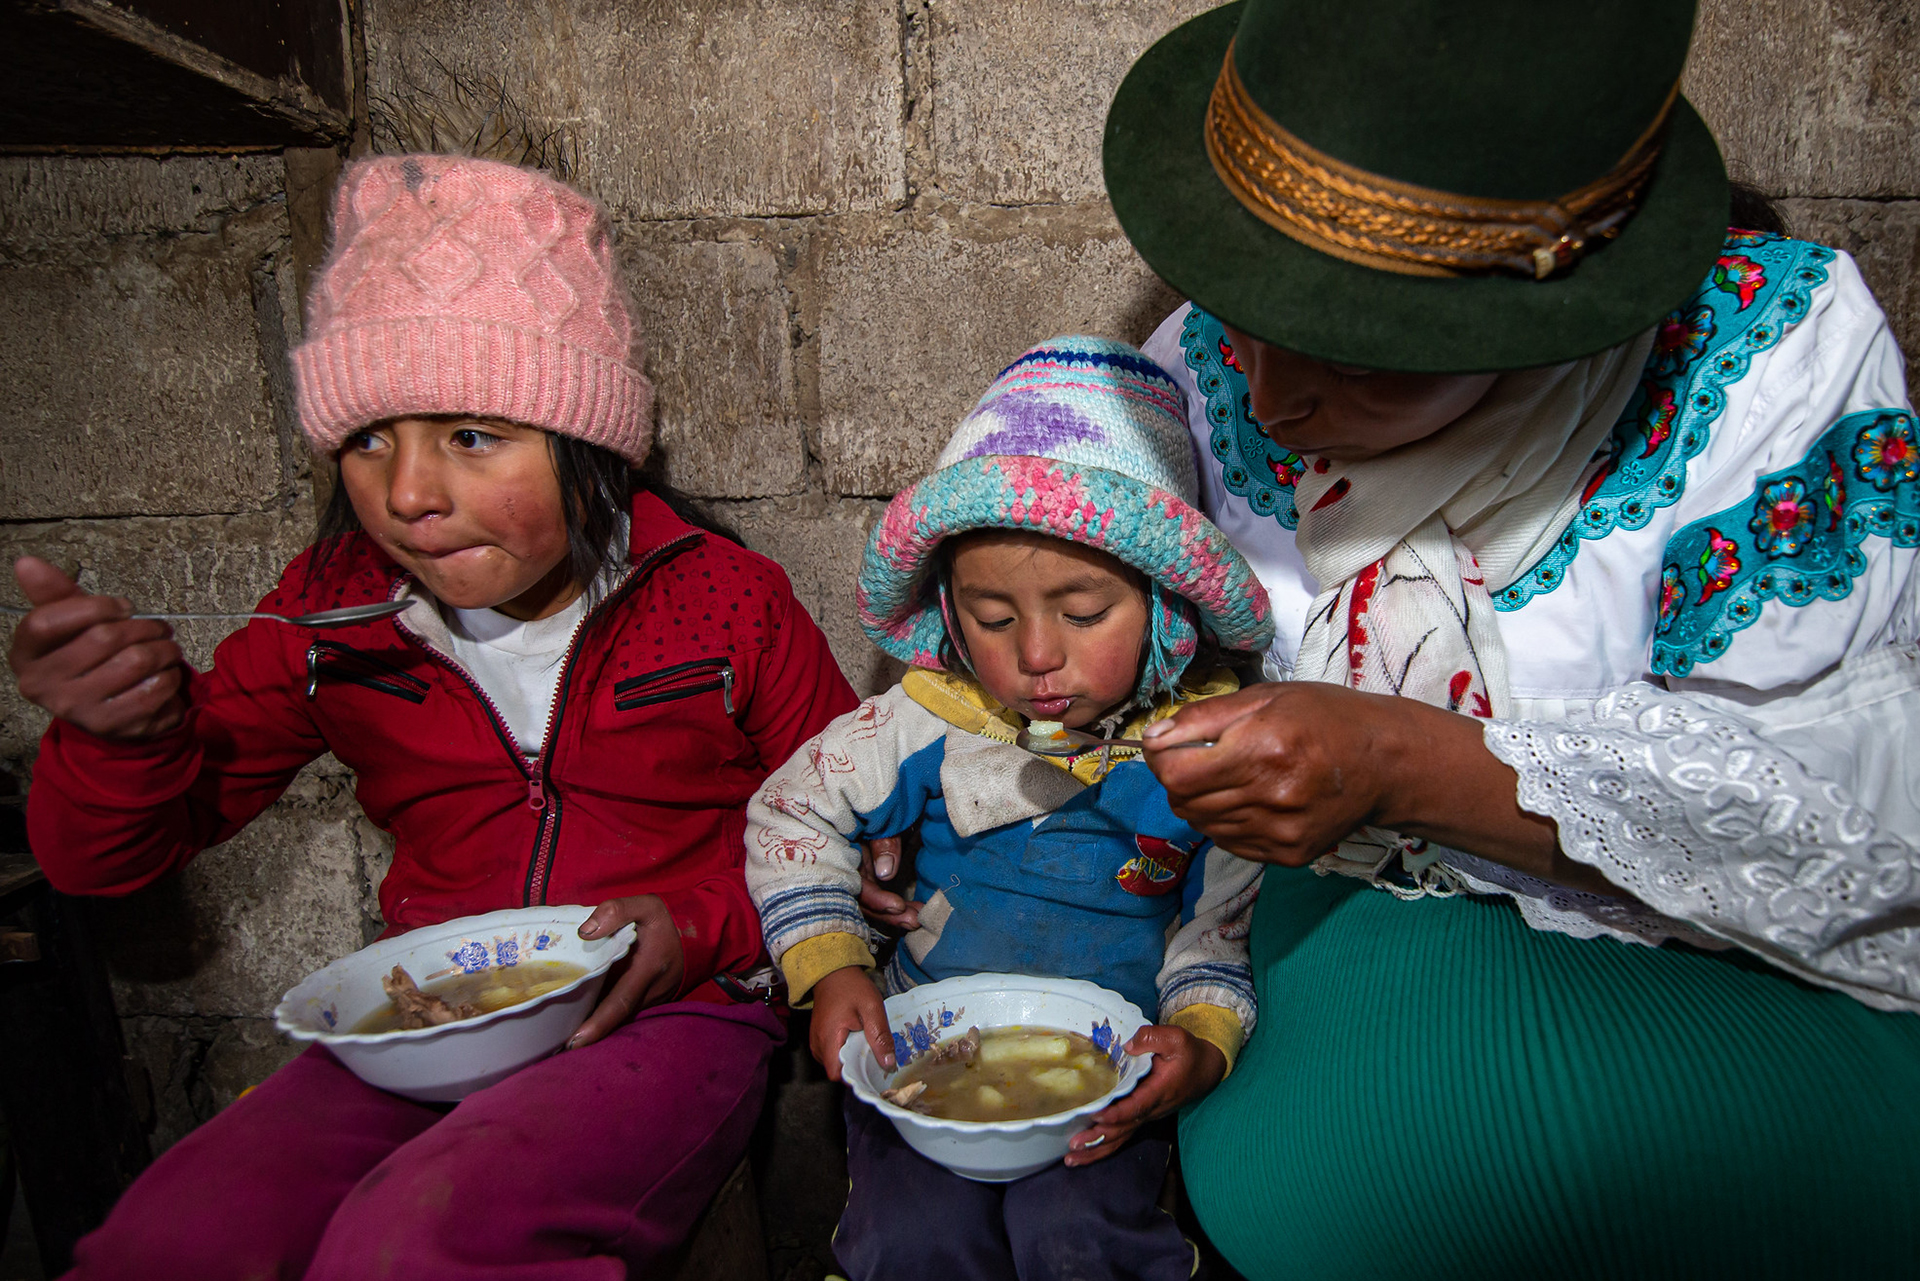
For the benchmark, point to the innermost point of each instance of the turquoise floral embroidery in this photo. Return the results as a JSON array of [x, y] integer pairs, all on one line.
[[1712, 586], [1884, 454], [1703, 347], [1251, 465], [1740, 276], [1782, 518]]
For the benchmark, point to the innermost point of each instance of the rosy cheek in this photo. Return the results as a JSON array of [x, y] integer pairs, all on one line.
[[1111, 662], [994, 660]]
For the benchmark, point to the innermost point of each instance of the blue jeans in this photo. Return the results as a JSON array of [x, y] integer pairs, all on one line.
[[907, 1216]]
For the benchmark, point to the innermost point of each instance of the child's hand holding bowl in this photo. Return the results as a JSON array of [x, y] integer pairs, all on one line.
[[652, 971], [1184, 1068]]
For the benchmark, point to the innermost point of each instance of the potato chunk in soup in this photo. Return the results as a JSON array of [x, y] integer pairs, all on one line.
[[1015, 1073]]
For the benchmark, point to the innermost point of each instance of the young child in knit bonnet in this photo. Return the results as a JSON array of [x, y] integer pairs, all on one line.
[[575, 708], [1051, 569]]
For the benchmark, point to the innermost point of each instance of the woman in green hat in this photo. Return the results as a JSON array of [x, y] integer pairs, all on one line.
[[1589, 526]]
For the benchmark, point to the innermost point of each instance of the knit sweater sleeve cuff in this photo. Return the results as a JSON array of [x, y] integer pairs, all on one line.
[[1216, 1026], [812, 959]]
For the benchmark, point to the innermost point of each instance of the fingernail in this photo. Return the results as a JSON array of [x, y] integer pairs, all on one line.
[[1156, 729], [1093, 1143], [883, 868], [573, 1043]]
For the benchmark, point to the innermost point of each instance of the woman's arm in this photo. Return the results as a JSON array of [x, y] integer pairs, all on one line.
[[1709, 815], [1791, 829], [1300, 765]]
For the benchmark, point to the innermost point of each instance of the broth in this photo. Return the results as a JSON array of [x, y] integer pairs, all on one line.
[[1005, 1074], [481, 992]]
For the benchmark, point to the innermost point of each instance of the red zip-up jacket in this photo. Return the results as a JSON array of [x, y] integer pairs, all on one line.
[[681, 690]]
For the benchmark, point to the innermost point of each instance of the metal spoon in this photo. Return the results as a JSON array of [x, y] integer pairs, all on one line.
[[321, 620], [1071, 742]]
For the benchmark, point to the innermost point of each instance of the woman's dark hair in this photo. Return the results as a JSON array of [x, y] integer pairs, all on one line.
[[1754, 210], [596, 489]]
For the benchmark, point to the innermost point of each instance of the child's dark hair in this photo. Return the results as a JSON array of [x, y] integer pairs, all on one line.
[[596, 489]]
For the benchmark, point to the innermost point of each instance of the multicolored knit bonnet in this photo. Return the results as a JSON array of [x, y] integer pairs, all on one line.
[[1083, 439]]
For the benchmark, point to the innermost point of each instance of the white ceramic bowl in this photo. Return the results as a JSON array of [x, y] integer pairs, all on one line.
[[995, 1151], [449, 1062]]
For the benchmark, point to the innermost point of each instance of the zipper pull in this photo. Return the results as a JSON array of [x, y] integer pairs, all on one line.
[[313, 670], [536, 794], [726, 688]]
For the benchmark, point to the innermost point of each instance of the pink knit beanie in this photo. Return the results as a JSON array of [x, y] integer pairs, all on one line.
[[461, 286]]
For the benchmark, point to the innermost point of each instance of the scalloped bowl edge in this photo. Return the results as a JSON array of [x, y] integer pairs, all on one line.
[[447, 1062]]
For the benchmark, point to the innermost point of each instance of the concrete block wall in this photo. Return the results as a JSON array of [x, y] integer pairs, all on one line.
[[840, 220]]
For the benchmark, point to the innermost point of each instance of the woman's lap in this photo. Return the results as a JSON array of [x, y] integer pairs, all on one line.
[[580, 1165], [1438, 1091]]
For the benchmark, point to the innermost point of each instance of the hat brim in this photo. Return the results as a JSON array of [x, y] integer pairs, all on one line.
[[1202, 241], [1152, 529]]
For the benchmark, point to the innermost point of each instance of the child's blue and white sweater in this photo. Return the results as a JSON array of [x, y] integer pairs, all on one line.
[[1027, 864]]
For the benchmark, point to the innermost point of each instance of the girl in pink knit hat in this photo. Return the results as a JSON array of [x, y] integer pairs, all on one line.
[[583, 694]]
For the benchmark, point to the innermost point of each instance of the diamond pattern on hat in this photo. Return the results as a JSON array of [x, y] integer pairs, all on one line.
[[443, 266], [467, 286]]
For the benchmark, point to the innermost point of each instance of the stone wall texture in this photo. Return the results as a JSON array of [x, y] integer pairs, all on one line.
[[839, 219]]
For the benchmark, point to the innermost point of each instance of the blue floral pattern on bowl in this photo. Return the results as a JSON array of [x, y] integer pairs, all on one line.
[[916, 1038], [471, 956]]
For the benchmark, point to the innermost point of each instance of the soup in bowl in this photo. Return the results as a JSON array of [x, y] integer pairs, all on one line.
[[490, 995], [1004, 1106]]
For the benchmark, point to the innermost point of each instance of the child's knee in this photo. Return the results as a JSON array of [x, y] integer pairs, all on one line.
[[164, 1238], [403, 1222]]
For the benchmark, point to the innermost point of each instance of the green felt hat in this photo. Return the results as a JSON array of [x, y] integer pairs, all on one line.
[[1492, 100]]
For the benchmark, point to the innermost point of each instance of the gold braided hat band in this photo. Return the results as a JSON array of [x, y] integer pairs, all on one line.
[[1394, 226]]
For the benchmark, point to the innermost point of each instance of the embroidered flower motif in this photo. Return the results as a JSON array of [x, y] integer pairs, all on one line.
[[1740, 276], [1803, 559], [1335, 492], [1718, 565], [1672, 595], [1681, 339], [1657, 418], [1834, 492], [1457, 690], [1886, 453], [1287, 469], [1226, 355], [1782, 518]]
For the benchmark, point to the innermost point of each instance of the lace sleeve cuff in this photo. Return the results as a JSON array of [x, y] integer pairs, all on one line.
[[1705, 821]]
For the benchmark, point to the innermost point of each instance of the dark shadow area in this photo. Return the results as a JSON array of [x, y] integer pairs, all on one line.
[[155, 935]]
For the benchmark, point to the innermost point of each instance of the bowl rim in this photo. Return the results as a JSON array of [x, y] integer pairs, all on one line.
[[1117, 1007], [621, 941]]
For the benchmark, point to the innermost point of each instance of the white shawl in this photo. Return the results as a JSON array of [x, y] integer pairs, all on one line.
[[1409, 546]]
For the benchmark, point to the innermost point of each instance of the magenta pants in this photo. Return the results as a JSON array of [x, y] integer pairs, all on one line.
[[585, 1165]]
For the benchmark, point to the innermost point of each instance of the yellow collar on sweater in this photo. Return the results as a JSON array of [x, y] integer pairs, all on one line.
[[961, 701]]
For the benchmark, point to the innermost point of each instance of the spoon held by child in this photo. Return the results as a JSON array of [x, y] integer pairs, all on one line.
[[322, 619]]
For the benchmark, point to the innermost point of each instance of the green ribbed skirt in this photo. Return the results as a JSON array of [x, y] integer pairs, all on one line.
[[1437, 1091]]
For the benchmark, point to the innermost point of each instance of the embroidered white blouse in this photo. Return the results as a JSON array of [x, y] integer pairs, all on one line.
[[1715, 672]]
